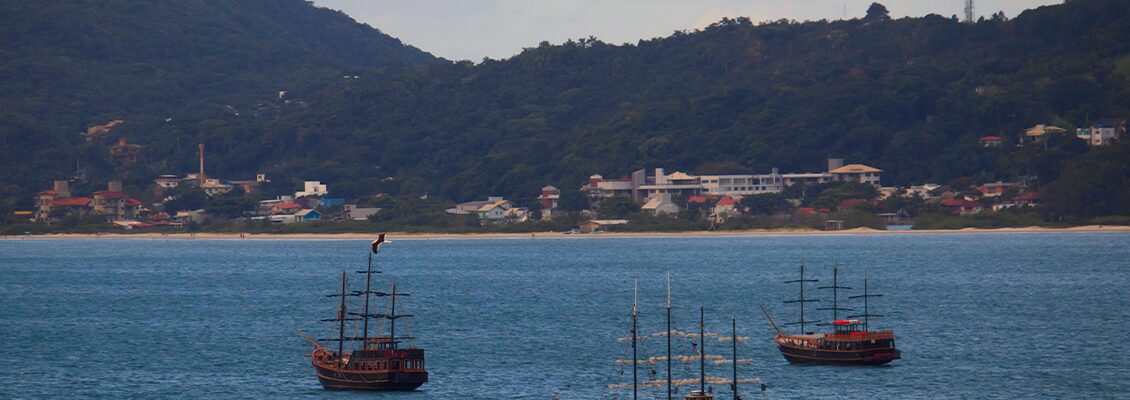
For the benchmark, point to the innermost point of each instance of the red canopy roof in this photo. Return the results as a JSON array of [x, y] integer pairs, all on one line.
[[1028, 196], [696, 199], [727, 201], [287, 206], [989, 138]]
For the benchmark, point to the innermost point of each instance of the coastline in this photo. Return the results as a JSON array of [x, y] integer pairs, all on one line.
[[544, 235]]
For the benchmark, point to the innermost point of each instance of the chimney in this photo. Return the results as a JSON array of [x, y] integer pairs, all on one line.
[[835, 163], [201, 183], [114, 186], [63, 187], [660, 177]]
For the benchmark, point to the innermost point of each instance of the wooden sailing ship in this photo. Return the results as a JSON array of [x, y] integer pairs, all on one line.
[[671, 386], [851, 341], [380, 362]]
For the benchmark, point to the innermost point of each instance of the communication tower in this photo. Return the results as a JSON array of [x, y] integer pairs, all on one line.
[[969, 11]]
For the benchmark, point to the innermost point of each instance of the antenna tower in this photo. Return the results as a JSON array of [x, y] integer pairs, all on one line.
[[969, 11]]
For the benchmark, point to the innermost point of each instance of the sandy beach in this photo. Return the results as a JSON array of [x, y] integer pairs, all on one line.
[[542, 235]]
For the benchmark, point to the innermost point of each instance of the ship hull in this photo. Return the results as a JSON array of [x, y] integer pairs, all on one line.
[[333, 379], [860, 357]]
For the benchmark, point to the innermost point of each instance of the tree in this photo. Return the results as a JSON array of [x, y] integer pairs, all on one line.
[[877, 12], [572, 200], [616, 208]]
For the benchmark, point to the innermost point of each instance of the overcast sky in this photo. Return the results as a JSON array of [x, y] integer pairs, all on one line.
[[473, 29]]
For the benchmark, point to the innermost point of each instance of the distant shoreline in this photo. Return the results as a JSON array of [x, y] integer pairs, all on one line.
[[541, 235]]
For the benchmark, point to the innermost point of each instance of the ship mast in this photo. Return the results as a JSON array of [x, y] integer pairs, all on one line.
[[701, 350], [368, 283], [341, 323], [668, 335], [635, 358], [734, 341], [801, 300], [866, 305], [392, 318], [835, 294]]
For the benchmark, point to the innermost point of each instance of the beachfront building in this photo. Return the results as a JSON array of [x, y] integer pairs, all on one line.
[[352, 212], [660, 204], [493, 208], [857, 173], [743, 185], [548, 199], [597, 188]]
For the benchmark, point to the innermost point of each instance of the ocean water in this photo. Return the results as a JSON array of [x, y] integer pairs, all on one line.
[[976, 315]]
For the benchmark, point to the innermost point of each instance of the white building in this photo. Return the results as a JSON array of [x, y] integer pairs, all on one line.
[[660, 204], [743, 185], [1102, 132], [312, 188]]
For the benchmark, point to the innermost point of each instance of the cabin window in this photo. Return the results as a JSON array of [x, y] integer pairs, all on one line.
[[395, 364]]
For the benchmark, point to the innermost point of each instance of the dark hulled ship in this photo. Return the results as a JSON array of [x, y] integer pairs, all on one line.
[[851, 341], [379, 362]]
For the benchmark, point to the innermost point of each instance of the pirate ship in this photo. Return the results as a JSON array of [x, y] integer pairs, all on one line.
[[851, 341], [380, 362], [701, 386]]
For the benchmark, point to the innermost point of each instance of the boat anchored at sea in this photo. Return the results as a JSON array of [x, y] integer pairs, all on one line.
[[700, 387], [381, 362], [851, 342]]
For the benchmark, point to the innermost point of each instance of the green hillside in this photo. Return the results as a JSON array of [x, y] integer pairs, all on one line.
[[910, 96]]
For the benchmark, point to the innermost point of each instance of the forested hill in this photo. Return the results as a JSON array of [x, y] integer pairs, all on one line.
[[910, 96], [65, 65]]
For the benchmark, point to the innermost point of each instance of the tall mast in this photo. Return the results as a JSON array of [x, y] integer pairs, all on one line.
[[734, 341], [835, 294], [701, 350], [866, 305], [368, 283], [341, 322], [635, 361], [668, 335], [392, 317], [802, 300]]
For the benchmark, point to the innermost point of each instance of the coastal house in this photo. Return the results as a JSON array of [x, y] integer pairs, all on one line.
[[354, 213], [1039, 134], [548, 199], [857, 173], [1102, 132], [598, 188], [213, 187], [285, 209], [307, 215], [725, 207], [44, 201], [597, 225], [493, 208], [996, 188], [167, 181], [990, 141], [113, 203], [961, 206], [1030, 199], [661, 204]]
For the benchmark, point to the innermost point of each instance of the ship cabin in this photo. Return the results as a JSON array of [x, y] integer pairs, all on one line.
[[847, 326], [699, 395], [387, 359], [850, 334]]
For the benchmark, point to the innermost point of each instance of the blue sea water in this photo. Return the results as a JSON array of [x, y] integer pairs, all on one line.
[[976, 315]]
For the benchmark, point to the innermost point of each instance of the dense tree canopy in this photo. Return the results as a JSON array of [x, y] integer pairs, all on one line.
[[369, 115]]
